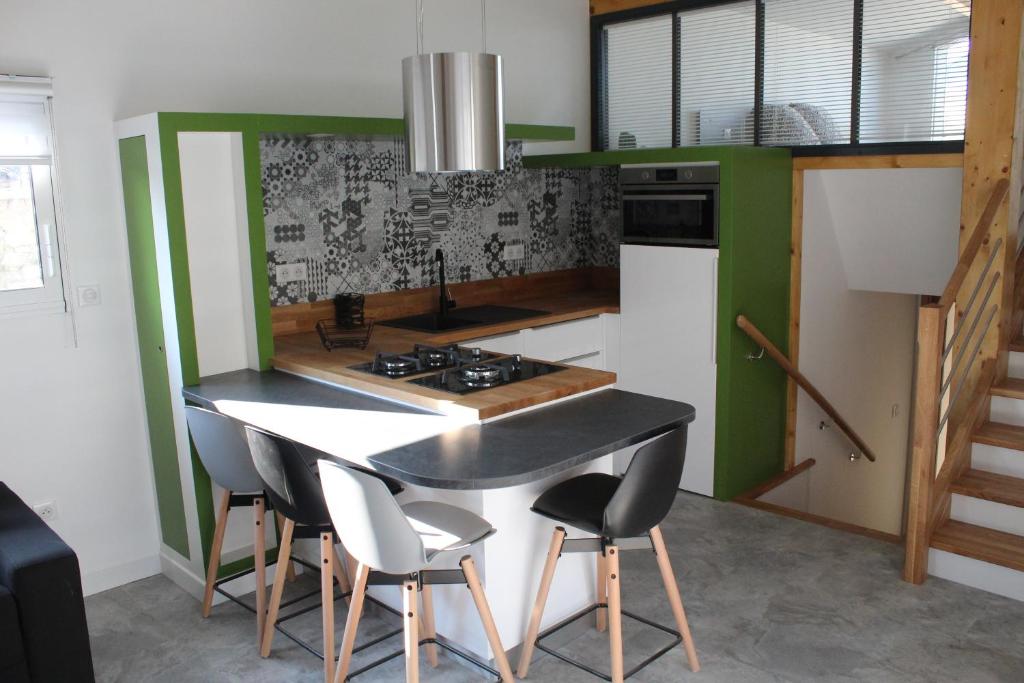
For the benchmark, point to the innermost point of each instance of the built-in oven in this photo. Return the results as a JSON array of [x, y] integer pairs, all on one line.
[[670, 204]]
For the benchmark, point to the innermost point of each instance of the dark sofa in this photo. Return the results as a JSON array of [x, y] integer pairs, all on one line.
[[43, 636]]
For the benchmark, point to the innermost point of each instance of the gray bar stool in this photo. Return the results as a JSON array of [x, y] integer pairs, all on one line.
[[617, 510], [398, 544], [222, 448]]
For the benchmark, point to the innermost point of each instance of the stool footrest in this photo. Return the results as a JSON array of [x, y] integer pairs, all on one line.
[[676, 639], [312, 650], [245, 572], [426, 641]]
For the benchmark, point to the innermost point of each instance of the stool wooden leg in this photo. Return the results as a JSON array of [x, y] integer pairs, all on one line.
[[218, 543], [614, 612], [284, 552], [341, 576], [429, 627], [327, 600], [291, 565], [672, 588], [602, 592], [480, 598], [412, 637], [259, 515], [554, 550], [355, 611]]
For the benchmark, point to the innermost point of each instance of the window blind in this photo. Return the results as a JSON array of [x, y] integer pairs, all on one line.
[[808, 58], [914, 70], [716, 74], [638, 82], [24, 120]]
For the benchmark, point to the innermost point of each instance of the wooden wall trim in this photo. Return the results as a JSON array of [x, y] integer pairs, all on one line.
[[609, 6], [947, 160], [795, 274]]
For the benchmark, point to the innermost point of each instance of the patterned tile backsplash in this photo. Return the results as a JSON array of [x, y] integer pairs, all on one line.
[[346, 208]]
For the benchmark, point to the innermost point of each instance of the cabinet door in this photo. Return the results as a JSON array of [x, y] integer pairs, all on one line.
[[668, 345]]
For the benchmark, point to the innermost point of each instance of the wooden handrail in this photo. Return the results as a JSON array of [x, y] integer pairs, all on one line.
[[804, 383], [981, 228]]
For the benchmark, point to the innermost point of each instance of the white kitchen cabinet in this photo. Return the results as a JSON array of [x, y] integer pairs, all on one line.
[[562, 341], [668, 327], [504, 344]]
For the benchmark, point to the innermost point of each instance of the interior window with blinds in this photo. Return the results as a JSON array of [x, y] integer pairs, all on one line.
[[794, 73], [716, 75], [808, 72], [29, 265], [914, 70], [639, 83]]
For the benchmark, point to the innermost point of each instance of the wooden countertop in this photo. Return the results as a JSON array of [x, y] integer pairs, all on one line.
[[303, 354]]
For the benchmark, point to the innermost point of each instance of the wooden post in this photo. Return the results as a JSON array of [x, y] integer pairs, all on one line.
[[925, 424], [215, 548], [259, 515]]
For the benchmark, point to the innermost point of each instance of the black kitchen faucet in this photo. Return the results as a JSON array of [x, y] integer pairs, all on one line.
[[446, 301]]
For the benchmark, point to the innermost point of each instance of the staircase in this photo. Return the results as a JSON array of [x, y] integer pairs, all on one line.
[[982, 542]]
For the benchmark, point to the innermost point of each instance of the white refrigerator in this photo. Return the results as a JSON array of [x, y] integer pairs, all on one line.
[[669, 302]]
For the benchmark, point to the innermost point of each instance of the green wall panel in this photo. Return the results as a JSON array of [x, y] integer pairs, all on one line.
[[138, 210]]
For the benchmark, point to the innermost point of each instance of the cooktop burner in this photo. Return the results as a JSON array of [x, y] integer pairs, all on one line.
[[422, 359], [472, 377]]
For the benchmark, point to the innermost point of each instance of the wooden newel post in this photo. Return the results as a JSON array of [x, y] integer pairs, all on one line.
[[930, 338]]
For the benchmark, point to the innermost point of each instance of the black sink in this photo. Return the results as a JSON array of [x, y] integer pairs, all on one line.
[[462, 318]]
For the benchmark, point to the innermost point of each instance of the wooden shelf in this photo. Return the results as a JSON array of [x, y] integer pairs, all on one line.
[[979, 543]]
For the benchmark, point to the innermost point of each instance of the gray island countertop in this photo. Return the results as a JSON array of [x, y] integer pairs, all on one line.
[[421, 448]]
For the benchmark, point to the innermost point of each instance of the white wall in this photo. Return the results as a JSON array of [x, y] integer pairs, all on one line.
[[71, 417], [858, 349], [898, 228]]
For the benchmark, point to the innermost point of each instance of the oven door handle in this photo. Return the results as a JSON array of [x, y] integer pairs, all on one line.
[[666, 197]]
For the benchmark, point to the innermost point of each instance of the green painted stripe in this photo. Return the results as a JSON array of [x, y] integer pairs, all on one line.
[[333, 125], [258, 247], [138, 211]]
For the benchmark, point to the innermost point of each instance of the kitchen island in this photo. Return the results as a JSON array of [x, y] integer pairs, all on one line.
[[496, 469]]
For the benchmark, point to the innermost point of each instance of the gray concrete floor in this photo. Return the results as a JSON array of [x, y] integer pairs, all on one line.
[[768, 598]]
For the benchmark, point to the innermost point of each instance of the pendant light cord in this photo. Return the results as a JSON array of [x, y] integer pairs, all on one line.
[[483, 24]]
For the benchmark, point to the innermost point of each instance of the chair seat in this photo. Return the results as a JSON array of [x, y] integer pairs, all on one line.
[[445, 527], [580, 501]]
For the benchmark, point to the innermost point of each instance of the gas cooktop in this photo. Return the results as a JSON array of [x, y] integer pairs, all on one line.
[[422, 359], [477, 376]]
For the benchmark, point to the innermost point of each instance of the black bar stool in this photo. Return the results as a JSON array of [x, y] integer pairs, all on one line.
[[616, 510], [220, 443], [296, 493]]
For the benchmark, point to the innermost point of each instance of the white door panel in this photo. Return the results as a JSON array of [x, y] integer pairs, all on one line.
[[668, 314]]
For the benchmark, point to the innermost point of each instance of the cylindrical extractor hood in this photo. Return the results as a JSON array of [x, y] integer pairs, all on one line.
[[454, 112]]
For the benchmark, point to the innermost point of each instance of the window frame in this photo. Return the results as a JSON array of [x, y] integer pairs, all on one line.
[[52, 296], [599, 68]]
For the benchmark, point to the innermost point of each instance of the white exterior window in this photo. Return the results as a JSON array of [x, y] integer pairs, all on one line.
[[30, 266]]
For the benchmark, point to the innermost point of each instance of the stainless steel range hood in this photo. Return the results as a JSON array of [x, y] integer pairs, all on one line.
[[454, 112]]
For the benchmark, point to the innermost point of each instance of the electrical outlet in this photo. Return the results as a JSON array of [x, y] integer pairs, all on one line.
[[290, 272], [514, 252], [47, 511]]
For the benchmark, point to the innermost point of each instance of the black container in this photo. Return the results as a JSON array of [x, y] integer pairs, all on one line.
[[348, 310]]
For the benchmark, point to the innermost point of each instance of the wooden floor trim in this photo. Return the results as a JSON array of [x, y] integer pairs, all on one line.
[[823, 521], [776, 481]]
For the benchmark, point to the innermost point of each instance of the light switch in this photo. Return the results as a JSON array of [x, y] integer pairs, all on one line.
[[88, 295]]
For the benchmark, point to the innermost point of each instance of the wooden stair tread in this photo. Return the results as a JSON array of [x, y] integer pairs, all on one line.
[[1011, 387], [1017, 343], [987, 545], [998, 488], [1000, 434]]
